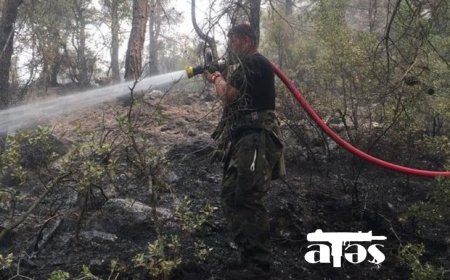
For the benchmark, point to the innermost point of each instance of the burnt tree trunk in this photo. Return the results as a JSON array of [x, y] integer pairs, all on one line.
[[133, 60], [7, 21]]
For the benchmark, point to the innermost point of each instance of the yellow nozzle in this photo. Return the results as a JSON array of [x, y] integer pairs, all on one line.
[[193, 71], [190, 71]]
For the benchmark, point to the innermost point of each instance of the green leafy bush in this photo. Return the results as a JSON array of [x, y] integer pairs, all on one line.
[[410, 255], [161, 258], [435, 208]]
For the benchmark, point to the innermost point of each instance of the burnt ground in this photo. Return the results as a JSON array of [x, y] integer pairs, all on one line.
[[322, 192]]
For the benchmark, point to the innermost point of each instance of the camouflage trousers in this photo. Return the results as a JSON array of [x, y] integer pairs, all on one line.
[[246, 180]]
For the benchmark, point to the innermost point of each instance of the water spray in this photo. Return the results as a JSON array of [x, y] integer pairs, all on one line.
[[27, 115]]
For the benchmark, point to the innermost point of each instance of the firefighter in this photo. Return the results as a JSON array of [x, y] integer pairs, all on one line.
[[248, 133]]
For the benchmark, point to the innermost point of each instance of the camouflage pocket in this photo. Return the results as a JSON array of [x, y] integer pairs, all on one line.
[[253, 169], [276, 153]]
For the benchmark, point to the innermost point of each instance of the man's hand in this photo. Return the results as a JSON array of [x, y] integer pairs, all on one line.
[[225, 92], [211, 77]]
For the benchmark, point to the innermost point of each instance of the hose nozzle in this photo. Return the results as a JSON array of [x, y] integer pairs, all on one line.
[[193, 71], [212, 67]]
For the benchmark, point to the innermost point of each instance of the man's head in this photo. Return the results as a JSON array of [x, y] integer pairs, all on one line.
[[242, 40]]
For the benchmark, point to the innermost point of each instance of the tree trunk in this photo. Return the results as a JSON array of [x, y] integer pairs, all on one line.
[[80, 21], [373, 13], [133, 61], [54, 71], [7, 20], [283, 42], [255, 16], [55, 61], [115, 29], [289, 6], [154, 29]]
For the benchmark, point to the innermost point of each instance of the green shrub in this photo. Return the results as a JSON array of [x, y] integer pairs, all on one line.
[[435, 208], [410, 255], [161, 258], [59, 275]]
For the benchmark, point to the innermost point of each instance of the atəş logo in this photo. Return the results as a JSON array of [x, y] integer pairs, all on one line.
[[353, 252]]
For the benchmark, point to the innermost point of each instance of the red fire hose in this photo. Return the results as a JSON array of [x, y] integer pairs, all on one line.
[[337, 138]]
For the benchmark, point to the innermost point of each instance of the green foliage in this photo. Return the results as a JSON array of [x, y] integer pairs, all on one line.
[[437, 206], [330, 21], [5, 199], [435, 209], [47, 28], [410, 255], [202, 251], [10, 161], [161, 258], [28, 150], [6, 261], [59, 275], [356, 75], [90, 162], [121, 7], [24, 151], [159, 116], [88, 274], [193, 221], [437, 147]]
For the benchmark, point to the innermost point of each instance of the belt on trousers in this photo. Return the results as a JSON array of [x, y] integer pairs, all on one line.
[[251, 121], [257, 115]]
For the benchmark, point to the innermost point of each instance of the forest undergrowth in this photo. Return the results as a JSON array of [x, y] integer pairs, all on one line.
[[130, 192]]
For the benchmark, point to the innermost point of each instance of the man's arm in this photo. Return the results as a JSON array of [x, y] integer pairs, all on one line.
[[225, 92]]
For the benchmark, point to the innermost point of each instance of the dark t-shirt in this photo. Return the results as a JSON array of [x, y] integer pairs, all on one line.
[[254, 78]]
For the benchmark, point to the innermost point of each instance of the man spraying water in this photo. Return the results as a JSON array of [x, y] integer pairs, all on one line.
[[248, 133]]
